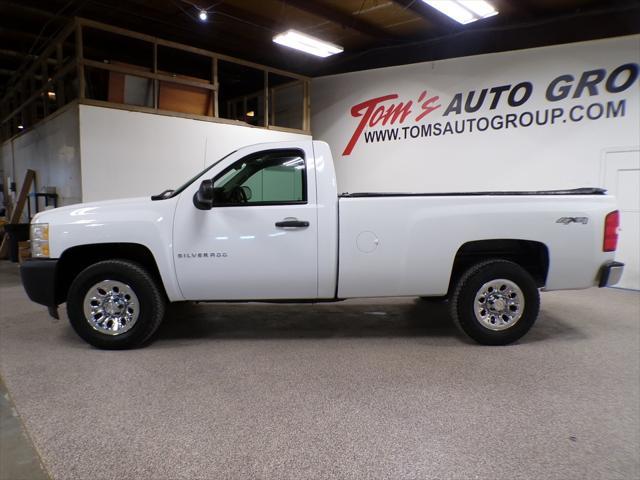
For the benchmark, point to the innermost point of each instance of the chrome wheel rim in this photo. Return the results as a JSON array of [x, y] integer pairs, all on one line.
[[499, 304], [111, 307]]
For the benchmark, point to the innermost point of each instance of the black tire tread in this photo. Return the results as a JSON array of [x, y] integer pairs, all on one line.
[[157, 298], [461, 286]]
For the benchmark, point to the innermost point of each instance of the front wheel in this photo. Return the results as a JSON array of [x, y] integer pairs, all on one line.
[[115, 304], [495, 302]]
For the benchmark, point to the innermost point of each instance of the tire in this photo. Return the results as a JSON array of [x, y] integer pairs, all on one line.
[[495, 302], [122, 293]]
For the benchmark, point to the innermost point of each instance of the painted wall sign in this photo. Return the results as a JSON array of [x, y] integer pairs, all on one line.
[[407, 119], [521, 120]]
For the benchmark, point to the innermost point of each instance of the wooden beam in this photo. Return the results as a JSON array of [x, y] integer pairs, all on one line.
[[60, 95], [18, 40], [156, 82], [214, 78], [186, 48], [29, 179], [20, 55], [44, 55], [79, 59], [22, 103], [344, 19], [16, 215], [306, 108], [32, 111], [137, 72], [45, 94]]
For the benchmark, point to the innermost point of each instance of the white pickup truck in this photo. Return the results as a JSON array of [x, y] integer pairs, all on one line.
[[265, 223]]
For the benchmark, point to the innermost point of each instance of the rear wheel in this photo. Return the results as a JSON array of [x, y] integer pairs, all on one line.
[[115, 304], [495, 302]]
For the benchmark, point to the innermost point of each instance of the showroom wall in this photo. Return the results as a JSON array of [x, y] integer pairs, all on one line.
[[52, 150], [127, 154], [556, 117], [513, 120]]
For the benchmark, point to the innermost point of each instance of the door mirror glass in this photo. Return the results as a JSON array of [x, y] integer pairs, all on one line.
[[247, 192]]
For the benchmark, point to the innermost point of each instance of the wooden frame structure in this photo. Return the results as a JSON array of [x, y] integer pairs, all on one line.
[[55, 79], [270, 103]]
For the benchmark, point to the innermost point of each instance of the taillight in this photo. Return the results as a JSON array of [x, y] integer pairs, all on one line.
[[611, 224]]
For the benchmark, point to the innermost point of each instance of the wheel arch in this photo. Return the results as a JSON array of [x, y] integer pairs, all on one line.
[[77, 258], [531, 255]]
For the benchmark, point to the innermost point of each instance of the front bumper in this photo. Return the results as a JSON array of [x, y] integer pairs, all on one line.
[[610, 274], [39, 281]]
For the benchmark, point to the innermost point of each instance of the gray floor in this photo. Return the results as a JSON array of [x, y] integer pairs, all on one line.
[[19, 459], [379, 389]]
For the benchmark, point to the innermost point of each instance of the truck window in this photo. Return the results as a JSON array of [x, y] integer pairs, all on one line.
[[265, 178]]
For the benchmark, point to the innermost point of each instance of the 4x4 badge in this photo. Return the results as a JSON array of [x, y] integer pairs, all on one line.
[[568, 220]]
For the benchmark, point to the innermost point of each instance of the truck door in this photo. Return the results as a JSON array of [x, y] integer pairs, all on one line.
[[259, 241]]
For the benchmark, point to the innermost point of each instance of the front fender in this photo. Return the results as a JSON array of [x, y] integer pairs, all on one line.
[[135, 221]]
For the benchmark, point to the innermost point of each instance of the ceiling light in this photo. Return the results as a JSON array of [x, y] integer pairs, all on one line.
[[51, 95], [251, 113], [20, 127], [464, 11], [307, 43], [203, 15]]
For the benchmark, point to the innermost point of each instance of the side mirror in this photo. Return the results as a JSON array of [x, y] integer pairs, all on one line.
[[203, 198], [247, 192]]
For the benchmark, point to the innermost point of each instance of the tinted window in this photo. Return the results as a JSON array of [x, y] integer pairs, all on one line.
[[270, 177]]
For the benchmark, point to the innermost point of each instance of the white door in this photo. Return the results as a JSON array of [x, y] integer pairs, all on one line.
[[240, 249], [622, 179]]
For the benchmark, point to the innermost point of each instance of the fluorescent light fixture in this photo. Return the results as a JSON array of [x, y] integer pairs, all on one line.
[[464, 11], [307, 43], [482, 8]]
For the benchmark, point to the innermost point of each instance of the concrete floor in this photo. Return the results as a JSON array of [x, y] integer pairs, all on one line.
[[360, 389], [19, 459]]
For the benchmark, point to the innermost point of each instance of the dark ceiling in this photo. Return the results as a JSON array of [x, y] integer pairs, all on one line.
[[373, 32]]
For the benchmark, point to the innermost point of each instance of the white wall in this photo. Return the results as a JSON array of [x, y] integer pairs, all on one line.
[[128, 153], [51, 148], [563, 153], [560, 155]]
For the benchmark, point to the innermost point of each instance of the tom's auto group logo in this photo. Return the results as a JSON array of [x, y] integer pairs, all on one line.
[[392, 118]]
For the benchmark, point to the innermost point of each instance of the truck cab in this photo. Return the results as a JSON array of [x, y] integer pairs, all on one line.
[[252, 230]]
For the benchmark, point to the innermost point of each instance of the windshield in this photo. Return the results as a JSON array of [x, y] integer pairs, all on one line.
[[180, 189]]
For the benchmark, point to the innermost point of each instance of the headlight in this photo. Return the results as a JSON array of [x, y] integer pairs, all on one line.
[[39, 240]]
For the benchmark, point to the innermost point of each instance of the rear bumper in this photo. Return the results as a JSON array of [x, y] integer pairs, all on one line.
[[610, 274], [39, 280]]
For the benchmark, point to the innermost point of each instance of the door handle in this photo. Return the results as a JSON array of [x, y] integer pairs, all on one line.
[[293, 223]]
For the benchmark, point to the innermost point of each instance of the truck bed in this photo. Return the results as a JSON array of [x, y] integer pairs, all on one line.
[[405, 244]]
